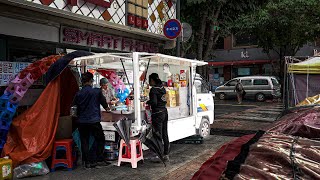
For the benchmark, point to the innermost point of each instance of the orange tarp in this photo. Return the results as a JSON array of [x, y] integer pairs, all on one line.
[[31, 134]]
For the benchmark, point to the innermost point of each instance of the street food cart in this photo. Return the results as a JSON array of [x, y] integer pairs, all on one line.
[[190, 108]]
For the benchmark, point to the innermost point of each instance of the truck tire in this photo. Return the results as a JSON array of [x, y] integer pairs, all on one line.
[[260, 97], [204, 129], [222, 96]]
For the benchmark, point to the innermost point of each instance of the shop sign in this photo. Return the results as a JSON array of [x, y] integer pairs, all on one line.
[[101, 3], [8, 71], [105, 41], [172, 28]]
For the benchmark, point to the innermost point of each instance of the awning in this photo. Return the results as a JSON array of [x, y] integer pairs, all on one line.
[[309, 66], [239, 62]]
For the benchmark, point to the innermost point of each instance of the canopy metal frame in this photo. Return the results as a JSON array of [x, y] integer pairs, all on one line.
[[104, 60]]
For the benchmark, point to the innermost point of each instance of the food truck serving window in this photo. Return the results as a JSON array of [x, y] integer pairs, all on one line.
[[176, 79]]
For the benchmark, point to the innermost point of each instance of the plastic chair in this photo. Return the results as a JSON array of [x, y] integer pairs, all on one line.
[[133, 154], [26, 82], [65, 145]]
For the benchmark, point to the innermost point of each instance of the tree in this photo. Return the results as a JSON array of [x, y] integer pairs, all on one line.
[[282, 26], [210, 19]]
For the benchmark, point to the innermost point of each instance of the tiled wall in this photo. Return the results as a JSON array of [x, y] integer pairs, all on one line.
[[148, 15]]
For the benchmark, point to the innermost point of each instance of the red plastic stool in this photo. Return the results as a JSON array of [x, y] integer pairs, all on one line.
[[66, 145], [133, 154]]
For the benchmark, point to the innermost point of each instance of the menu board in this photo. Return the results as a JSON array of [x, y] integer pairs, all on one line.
[[8, 71]]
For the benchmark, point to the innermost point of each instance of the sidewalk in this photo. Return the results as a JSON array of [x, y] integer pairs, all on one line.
[[185, 159]]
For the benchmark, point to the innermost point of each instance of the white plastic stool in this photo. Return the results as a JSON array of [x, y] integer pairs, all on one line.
[[131, 155]]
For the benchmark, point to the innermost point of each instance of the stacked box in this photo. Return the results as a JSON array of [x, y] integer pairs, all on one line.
[[171, 98]]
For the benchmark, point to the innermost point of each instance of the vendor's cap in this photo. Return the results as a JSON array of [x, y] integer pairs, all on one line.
[[103, 81]]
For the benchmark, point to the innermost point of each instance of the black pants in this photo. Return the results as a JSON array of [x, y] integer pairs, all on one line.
[[94, 129], [160, 124]]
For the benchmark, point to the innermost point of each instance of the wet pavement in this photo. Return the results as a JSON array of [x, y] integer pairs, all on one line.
[[247, 118], [181, 154], [231, 120]]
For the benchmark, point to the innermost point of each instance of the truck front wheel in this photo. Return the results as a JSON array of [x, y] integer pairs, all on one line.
[[204, 129]]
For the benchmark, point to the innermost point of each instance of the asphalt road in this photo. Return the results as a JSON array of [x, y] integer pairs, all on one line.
[[223, 107], [232, 119]]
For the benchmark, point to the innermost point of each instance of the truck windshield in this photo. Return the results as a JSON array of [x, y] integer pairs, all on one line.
[[202, 85]]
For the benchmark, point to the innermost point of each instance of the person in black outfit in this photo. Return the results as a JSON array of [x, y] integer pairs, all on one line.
[[88, 102], [159, 111]]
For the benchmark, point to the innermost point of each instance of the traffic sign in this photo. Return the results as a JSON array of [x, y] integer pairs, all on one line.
[[172, 28]]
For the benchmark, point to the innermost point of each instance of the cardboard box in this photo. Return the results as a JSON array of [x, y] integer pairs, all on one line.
[[171, 98], [177, 98], [64, 129]]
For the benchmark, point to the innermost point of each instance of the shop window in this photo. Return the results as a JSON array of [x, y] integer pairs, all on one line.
[[240, 40], [267, 69], [232, 83], [260, 82], [246, 82], [244, 71]]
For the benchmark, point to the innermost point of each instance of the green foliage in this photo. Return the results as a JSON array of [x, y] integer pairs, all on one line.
[[203, 15], [282, 25]]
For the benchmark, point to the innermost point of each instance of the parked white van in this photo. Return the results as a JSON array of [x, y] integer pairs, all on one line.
[[257, 87]]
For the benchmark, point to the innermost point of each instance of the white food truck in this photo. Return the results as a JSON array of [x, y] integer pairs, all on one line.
[[193, 110]]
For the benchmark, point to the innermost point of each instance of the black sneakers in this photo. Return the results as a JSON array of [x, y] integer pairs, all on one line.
[[103, 163], [90, 165]]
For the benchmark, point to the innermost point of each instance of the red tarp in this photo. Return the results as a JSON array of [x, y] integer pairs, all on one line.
[[280, 156], [215, 166], [31, 135], [302, 122], [284, 152]]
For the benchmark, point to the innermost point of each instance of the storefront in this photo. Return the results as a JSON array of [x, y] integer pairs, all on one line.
[[220, 72], [33, 29]]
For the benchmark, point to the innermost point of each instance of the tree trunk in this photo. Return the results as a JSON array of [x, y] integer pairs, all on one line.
[[201, 36], [211, 39]]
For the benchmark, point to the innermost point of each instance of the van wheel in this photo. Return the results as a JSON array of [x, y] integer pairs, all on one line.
[[204, 129], [222, 96], [260, 97]]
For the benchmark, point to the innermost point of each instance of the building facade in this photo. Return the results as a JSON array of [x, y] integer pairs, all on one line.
[[238, 56], [32, 29]]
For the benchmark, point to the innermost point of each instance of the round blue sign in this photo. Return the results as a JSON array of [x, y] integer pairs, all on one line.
[[172, 28]]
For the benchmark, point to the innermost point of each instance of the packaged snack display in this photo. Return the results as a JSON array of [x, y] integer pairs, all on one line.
[[171, 98], [5, 168]]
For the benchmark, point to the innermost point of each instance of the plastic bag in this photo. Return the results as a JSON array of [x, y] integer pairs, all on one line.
[[33, 169]]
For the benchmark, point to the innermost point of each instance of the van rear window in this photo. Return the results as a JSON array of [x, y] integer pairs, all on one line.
[[260, 82]]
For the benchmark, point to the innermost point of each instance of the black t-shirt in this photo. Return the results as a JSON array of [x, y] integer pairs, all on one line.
[[157, 97]]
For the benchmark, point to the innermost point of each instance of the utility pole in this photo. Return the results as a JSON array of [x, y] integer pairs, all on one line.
[[178, 46]]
